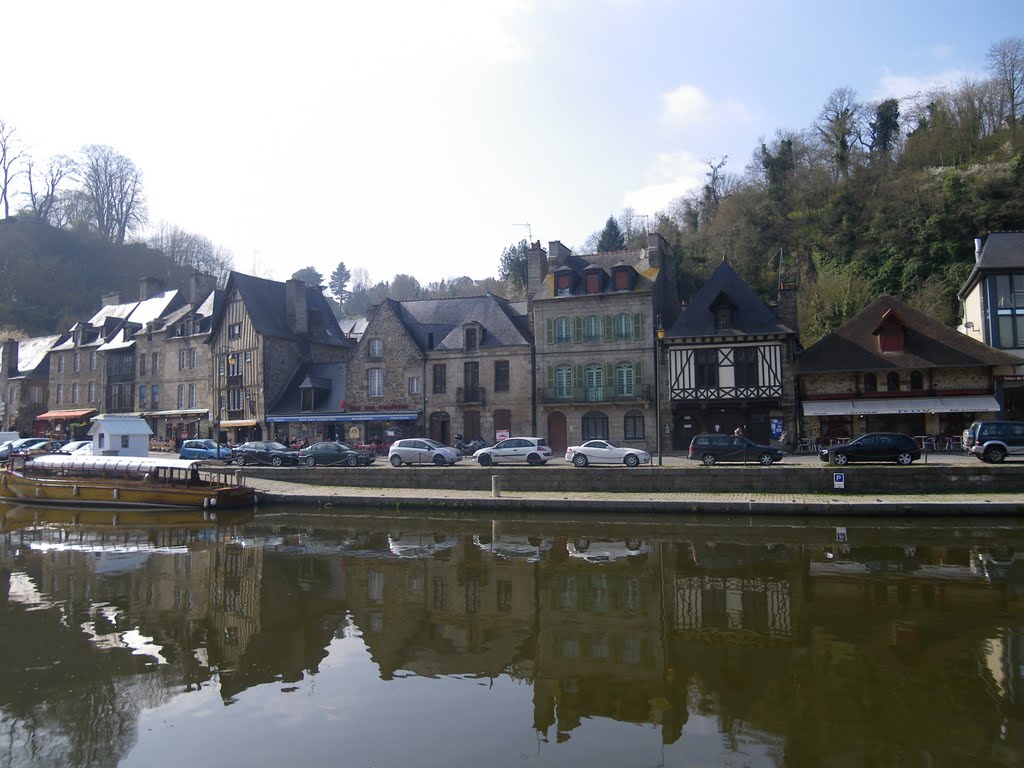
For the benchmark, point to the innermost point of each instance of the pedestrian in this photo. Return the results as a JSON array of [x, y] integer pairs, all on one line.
[[738, 432]]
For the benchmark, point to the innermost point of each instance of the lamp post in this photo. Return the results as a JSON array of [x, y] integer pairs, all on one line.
[[220, 393], [657, 383]]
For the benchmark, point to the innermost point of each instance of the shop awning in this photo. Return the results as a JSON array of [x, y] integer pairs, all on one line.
[[902, 405], [177, 412], [64, 415], [366, 416], [238, 423]]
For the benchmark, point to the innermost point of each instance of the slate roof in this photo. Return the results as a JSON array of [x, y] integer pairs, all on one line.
[[927, 344], [31, 353], [505, 323], [579, 263], [1002, 252], [752, 317], [267, 305], [321, 375]]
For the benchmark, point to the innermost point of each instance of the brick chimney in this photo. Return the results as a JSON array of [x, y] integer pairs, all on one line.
[[557, 254], [10, 357], [110, 299], [295, 301], [150, 287], [200, 285], [536, 269]]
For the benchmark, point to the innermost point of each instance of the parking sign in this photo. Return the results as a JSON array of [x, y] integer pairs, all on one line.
[[839, 480]]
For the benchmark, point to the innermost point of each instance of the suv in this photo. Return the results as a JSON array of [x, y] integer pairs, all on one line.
[[713, 447], [421, 450], [532, 450], [993, 441]]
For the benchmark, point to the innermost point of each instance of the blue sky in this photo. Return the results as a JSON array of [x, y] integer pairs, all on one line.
[[411, 137]]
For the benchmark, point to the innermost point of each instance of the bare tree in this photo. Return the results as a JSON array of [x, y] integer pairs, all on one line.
[[11, 154], [44, 188], [113, 191], [1006, 63], [192, 251], [839, 126]]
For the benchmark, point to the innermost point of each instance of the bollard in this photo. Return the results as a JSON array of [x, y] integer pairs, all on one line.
[[495, 486]]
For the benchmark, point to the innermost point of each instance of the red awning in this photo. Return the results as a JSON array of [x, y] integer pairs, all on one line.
[[64, 415]]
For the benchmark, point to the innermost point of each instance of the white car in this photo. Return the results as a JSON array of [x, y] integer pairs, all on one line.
[[421, 450], [603, 452], [532, 450], [79, 447]]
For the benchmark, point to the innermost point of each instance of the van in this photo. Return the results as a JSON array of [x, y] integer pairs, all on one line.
[[993, 441]]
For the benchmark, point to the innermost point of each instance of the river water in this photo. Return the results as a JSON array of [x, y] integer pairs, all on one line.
[[375, 641]]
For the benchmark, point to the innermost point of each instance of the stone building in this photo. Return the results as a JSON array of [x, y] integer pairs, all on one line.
[[594, 319], [25, 388]]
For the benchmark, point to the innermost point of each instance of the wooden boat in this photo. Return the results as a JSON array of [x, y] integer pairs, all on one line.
[[121, 481]]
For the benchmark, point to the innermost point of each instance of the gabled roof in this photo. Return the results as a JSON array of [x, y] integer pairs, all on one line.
[[1002, 252], [267, 304], [751, 316], [927, 343], [328, 379], [637, 259], [31, 353], [503, 322]]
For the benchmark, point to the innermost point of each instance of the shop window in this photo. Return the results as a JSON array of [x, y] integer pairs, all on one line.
[[870, 382], [633, 425], [595, 426], [892, 382]]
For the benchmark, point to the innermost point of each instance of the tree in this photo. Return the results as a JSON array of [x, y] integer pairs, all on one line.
[[357, 300], [1006, 63], [112, 192], [193, 252], [310, 276], [339, 281], [838, 126], [611, 238], [405, 288], [884, 129], [513, 267], [44, 193], [11, 155]]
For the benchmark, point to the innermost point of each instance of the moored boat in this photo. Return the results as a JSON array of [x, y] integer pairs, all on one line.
[[122, 481]]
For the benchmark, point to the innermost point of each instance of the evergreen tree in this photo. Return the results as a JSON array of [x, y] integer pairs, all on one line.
[[512, 268], [339, 282], [611, 238], [310, 276]]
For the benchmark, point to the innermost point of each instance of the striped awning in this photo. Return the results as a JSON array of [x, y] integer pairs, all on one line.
[[65, 415]]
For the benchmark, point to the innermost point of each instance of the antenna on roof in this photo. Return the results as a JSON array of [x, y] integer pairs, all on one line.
[[529, 230]]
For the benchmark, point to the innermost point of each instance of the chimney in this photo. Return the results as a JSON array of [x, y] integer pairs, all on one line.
[[295, 301], [150, 287], [536, 269], [200, 285], [785, 308], [557, 254], [10, 357], [977, 250], [110, 299]]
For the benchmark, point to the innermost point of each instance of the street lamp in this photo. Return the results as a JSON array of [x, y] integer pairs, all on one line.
[[657, 384]]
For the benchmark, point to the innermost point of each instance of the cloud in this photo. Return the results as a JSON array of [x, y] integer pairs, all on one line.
[[686, 105], [893, 86], [671, 175]]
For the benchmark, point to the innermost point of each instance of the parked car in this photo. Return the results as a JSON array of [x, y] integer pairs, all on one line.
[[993, 441], [421, 450], [76, 446], [713, 447], [265, 452], [206, 449], [874, 446], [334, 454], [5, 449], [603, 452], [33, 446], [533, 450]]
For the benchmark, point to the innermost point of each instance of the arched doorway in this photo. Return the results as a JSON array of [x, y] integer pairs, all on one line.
[[440, 427], [557, 432]]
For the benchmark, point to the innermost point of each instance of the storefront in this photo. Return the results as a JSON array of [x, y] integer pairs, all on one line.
[[378, 428], [64, 425], [182, 424]]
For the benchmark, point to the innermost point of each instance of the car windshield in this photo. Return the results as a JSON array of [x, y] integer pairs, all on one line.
[[433, 444], [209, 444], [276, 447], [344, 447]]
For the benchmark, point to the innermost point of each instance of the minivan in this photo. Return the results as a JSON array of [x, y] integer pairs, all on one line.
[[993, 441]]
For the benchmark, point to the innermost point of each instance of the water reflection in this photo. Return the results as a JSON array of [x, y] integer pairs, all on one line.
[[796, 642]]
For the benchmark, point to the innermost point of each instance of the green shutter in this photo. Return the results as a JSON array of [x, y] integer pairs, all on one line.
[[609, 375], [638, 331], [577, 376], [577, 328], [609, 328], [638, 376], [550, 326], [551, 378]]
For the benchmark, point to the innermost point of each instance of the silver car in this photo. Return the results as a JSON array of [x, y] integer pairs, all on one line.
[[532, 450], [421, 450]]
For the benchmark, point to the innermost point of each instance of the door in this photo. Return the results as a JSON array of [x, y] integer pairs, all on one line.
[[440, 427], [557, 432]]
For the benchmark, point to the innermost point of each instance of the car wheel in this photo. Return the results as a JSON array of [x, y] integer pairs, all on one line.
[[580, 460], [534, 460], [905, 458], [275, 461], [632, 460], [708, 459], [633, 544], [396, 460], [994, 455], [840, 459], [240, 461], [485, 460], [351, 461], [765, 459], [439, 460], [310, 461]]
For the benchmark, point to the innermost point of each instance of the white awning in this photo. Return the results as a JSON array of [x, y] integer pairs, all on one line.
[[897, 405]]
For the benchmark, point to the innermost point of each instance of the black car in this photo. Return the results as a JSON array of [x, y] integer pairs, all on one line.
[[714, 447], [332, 454], [259, 452], [874, 446]]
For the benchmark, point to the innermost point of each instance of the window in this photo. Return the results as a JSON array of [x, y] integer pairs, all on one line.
[[744, 360], [154, 396], [440, 378], [593, 282], [142, 396], [92, 392], [414, 385], [892, 381], [594, 382], [154, 363], [191, 395], [60, 393], [503, 420], [234, 330], [595, 426], [501, 375], [92, 361], [60, 363], [192, 358], [375, 382], [916, 380], [471, 383], [622, 280], [623, 327], [76, 363], [124, 441], [247, 356], [376, 349], [74, 393], [142, 364], [181, 395], [633, 425], [35, 394], [706, 368], [592, 330], [562, 284], [723, 317], [624, 380], [870, 382], [563, 381], [563, 330], [470, 339]]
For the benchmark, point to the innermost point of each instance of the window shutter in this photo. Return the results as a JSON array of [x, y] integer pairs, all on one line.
[[551, 376], [638, 326], [609, 327], [609, 374], [549, 325], [577, 329], [577, 375], [638, 376]]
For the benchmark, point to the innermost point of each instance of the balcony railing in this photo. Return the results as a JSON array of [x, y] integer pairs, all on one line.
[[593, 395], [469, 396]]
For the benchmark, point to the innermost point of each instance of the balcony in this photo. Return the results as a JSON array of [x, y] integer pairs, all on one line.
[[593, 395], [469, 396]]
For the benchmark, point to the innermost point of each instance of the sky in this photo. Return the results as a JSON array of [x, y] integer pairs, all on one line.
[[423, 138]]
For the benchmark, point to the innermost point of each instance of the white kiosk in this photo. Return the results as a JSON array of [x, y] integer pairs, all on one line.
[[116, 435]]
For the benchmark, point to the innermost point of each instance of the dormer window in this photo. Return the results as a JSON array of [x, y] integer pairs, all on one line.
[[623, 279], [563, 284], [723, 317], [470, 339], [593, 282], [891, 333]]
